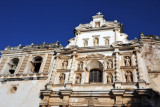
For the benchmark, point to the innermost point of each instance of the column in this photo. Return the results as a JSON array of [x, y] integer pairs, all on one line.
[[117, 77]]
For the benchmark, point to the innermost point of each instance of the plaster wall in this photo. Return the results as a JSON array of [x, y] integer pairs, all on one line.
[[27, 94], [101, 33]]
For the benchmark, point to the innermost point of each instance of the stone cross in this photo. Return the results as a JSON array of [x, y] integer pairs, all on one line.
[[99, 13]]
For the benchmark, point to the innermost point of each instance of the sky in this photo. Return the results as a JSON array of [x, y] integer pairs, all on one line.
[[37, 21]]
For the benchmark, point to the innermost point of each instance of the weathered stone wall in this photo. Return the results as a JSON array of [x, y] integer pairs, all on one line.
[[151, 56], [151, 53]]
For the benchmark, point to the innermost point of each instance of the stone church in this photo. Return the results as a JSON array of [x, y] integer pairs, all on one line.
[[99, 67]]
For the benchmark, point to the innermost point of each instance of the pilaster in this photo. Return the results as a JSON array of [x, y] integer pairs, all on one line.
[[65, 94]]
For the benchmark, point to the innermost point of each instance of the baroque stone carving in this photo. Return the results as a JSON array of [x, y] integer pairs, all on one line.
[[90, 102], [127, 61], [13, 89], [128, 76], [78, 78], [109, 64], [96, 41], [85, 43], [80, 65], [106, 41], [109, 78], [64, 64], [62, 78]]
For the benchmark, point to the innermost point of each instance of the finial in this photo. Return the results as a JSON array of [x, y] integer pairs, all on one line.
[[115, 20], [8, 47], [99, 13], [19, 45], [141, 34], [32, 43], [57, 42]]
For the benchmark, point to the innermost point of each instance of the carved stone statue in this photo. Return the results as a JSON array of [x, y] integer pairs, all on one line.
[[62, 78], [64, 64], [96, 42], [85, 43], [127, 61], [109, 64], [109, 78], [80, 65], [128, 76], [78, 78]]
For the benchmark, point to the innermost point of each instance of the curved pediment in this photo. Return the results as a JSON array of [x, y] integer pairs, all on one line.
[[94, 65]]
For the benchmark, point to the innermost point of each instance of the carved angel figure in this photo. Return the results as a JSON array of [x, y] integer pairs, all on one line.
[[62, 78]]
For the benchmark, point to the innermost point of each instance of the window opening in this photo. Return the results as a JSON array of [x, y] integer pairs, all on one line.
[[95, 75], [37, 64], [13, 65]]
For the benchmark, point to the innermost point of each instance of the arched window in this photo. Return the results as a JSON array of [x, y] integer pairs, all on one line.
[[95, 75], [13, 65], [36, 64]]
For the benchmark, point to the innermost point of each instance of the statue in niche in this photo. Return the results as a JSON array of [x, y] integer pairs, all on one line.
[[80, 65], [109, 64], [64, 64], [106, 41], [128, 76], [85, 43], [62, 78], [109, 78], [78, 79], [96, 42], [127, 61]]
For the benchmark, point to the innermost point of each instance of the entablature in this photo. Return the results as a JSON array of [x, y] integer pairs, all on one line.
[[23, 77]]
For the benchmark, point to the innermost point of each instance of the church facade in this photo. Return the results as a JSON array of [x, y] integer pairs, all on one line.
[[99, 67]]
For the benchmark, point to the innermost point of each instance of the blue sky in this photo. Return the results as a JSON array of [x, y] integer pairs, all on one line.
[[37, 21]]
